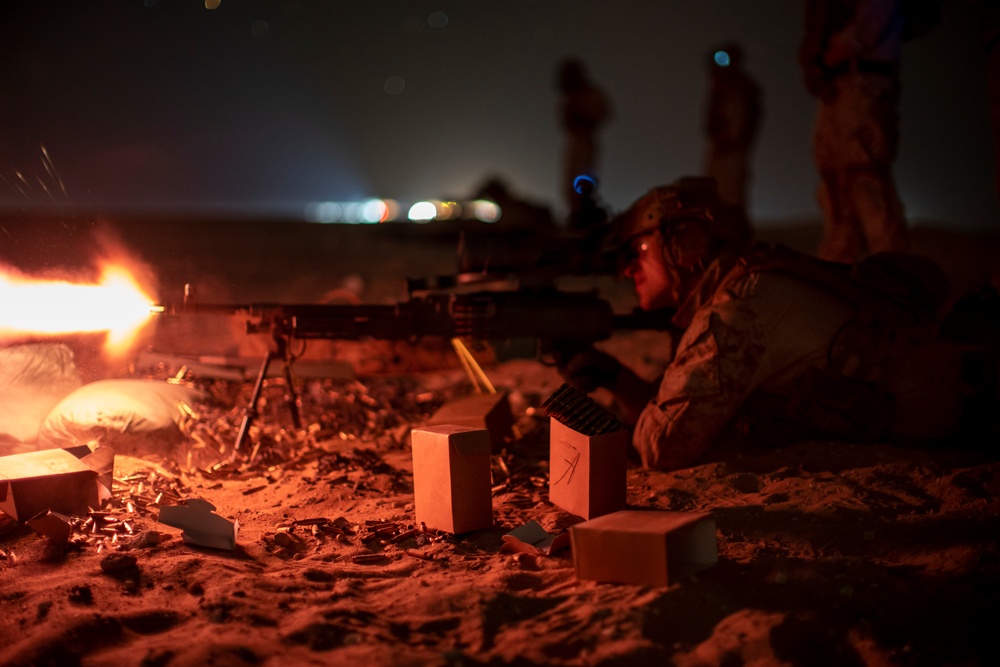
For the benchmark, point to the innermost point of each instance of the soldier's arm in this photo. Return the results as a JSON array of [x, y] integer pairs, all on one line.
[[700, 391]]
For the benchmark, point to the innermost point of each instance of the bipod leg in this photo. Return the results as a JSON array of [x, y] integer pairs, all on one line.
[[279, 351], [292, 395], [251, 411]]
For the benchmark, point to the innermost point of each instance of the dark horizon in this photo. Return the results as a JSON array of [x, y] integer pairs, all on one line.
[[157, 106]]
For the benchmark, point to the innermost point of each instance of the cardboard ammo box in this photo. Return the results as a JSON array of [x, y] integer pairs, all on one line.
[[452, 489], [653, 548], [587, 472], [489, 411], [49, 479]]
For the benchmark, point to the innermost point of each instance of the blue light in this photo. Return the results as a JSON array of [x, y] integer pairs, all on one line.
[[721, 58], [582, 181]]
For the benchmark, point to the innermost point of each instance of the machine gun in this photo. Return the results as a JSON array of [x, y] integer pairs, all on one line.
[[546, 314], [556, 320], [479, 303]]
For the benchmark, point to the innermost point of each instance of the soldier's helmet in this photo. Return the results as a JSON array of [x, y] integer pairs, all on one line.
[[692, 199]]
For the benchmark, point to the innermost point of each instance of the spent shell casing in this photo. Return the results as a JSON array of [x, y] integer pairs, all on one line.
[[363, 559], [413, 532]]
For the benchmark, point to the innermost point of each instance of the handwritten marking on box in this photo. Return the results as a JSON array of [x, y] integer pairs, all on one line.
[[587, 474]]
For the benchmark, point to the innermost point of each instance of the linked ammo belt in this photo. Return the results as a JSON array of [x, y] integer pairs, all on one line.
[[863, 67]]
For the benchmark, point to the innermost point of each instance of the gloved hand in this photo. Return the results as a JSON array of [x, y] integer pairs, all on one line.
[[587, 369]]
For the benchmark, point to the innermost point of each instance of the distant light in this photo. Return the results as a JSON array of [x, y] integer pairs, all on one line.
[[325, 212], [354, 213], [391, 210], [370, 211], [485, 210], [394, 85], [374, 210], [259, 28], [447, 210], [437, 20], [584, 182], [212, 4], [721, 59], [422, 211]]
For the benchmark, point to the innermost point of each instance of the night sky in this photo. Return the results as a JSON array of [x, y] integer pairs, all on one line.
[[268, 106]]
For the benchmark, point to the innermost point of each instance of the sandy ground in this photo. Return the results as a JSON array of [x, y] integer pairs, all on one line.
[[829, 553]]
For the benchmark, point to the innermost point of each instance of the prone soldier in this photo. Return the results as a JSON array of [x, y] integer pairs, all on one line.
[[779, 346]]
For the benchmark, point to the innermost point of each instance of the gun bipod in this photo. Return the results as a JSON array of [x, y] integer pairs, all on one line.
[[279, 351]]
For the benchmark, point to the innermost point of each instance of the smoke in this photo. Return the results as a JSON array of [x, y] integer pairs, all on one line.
[[112, 250]]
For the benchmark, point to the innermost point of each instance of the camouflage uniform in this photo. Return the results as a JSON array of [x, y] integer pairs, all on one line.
[[850, 60], [788, 358]]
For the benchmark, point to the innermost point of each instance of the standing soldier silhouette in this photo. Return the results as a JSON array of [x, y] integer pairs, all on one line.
[[850, 58], [733, 113], [583, 109]]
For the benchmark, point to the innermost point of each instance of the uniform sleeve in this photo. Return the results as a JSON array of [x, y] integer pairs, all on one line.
[[701, 390]]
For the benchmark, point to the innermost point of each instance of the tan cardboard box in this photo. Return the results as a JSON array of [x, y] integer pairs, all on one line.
[[49, 479], [587, 473], [653, 548], [489, 411], [451, 478]]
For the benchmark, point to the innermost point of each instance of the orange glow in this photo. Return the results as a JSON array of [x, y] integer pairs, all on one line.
[[36, 307]]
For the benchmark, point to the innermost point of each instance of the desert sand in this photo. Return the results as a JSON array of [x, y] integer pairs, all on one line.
[[829, 553]]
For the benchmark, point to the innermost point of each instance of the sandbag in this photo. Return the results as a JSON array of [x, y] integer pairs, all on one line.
[[34, 377], [134, 417]]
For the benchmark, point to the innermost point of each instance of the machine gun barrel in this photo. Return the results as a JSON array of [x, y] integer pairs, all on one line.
[[546, 314], [406, 320]]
